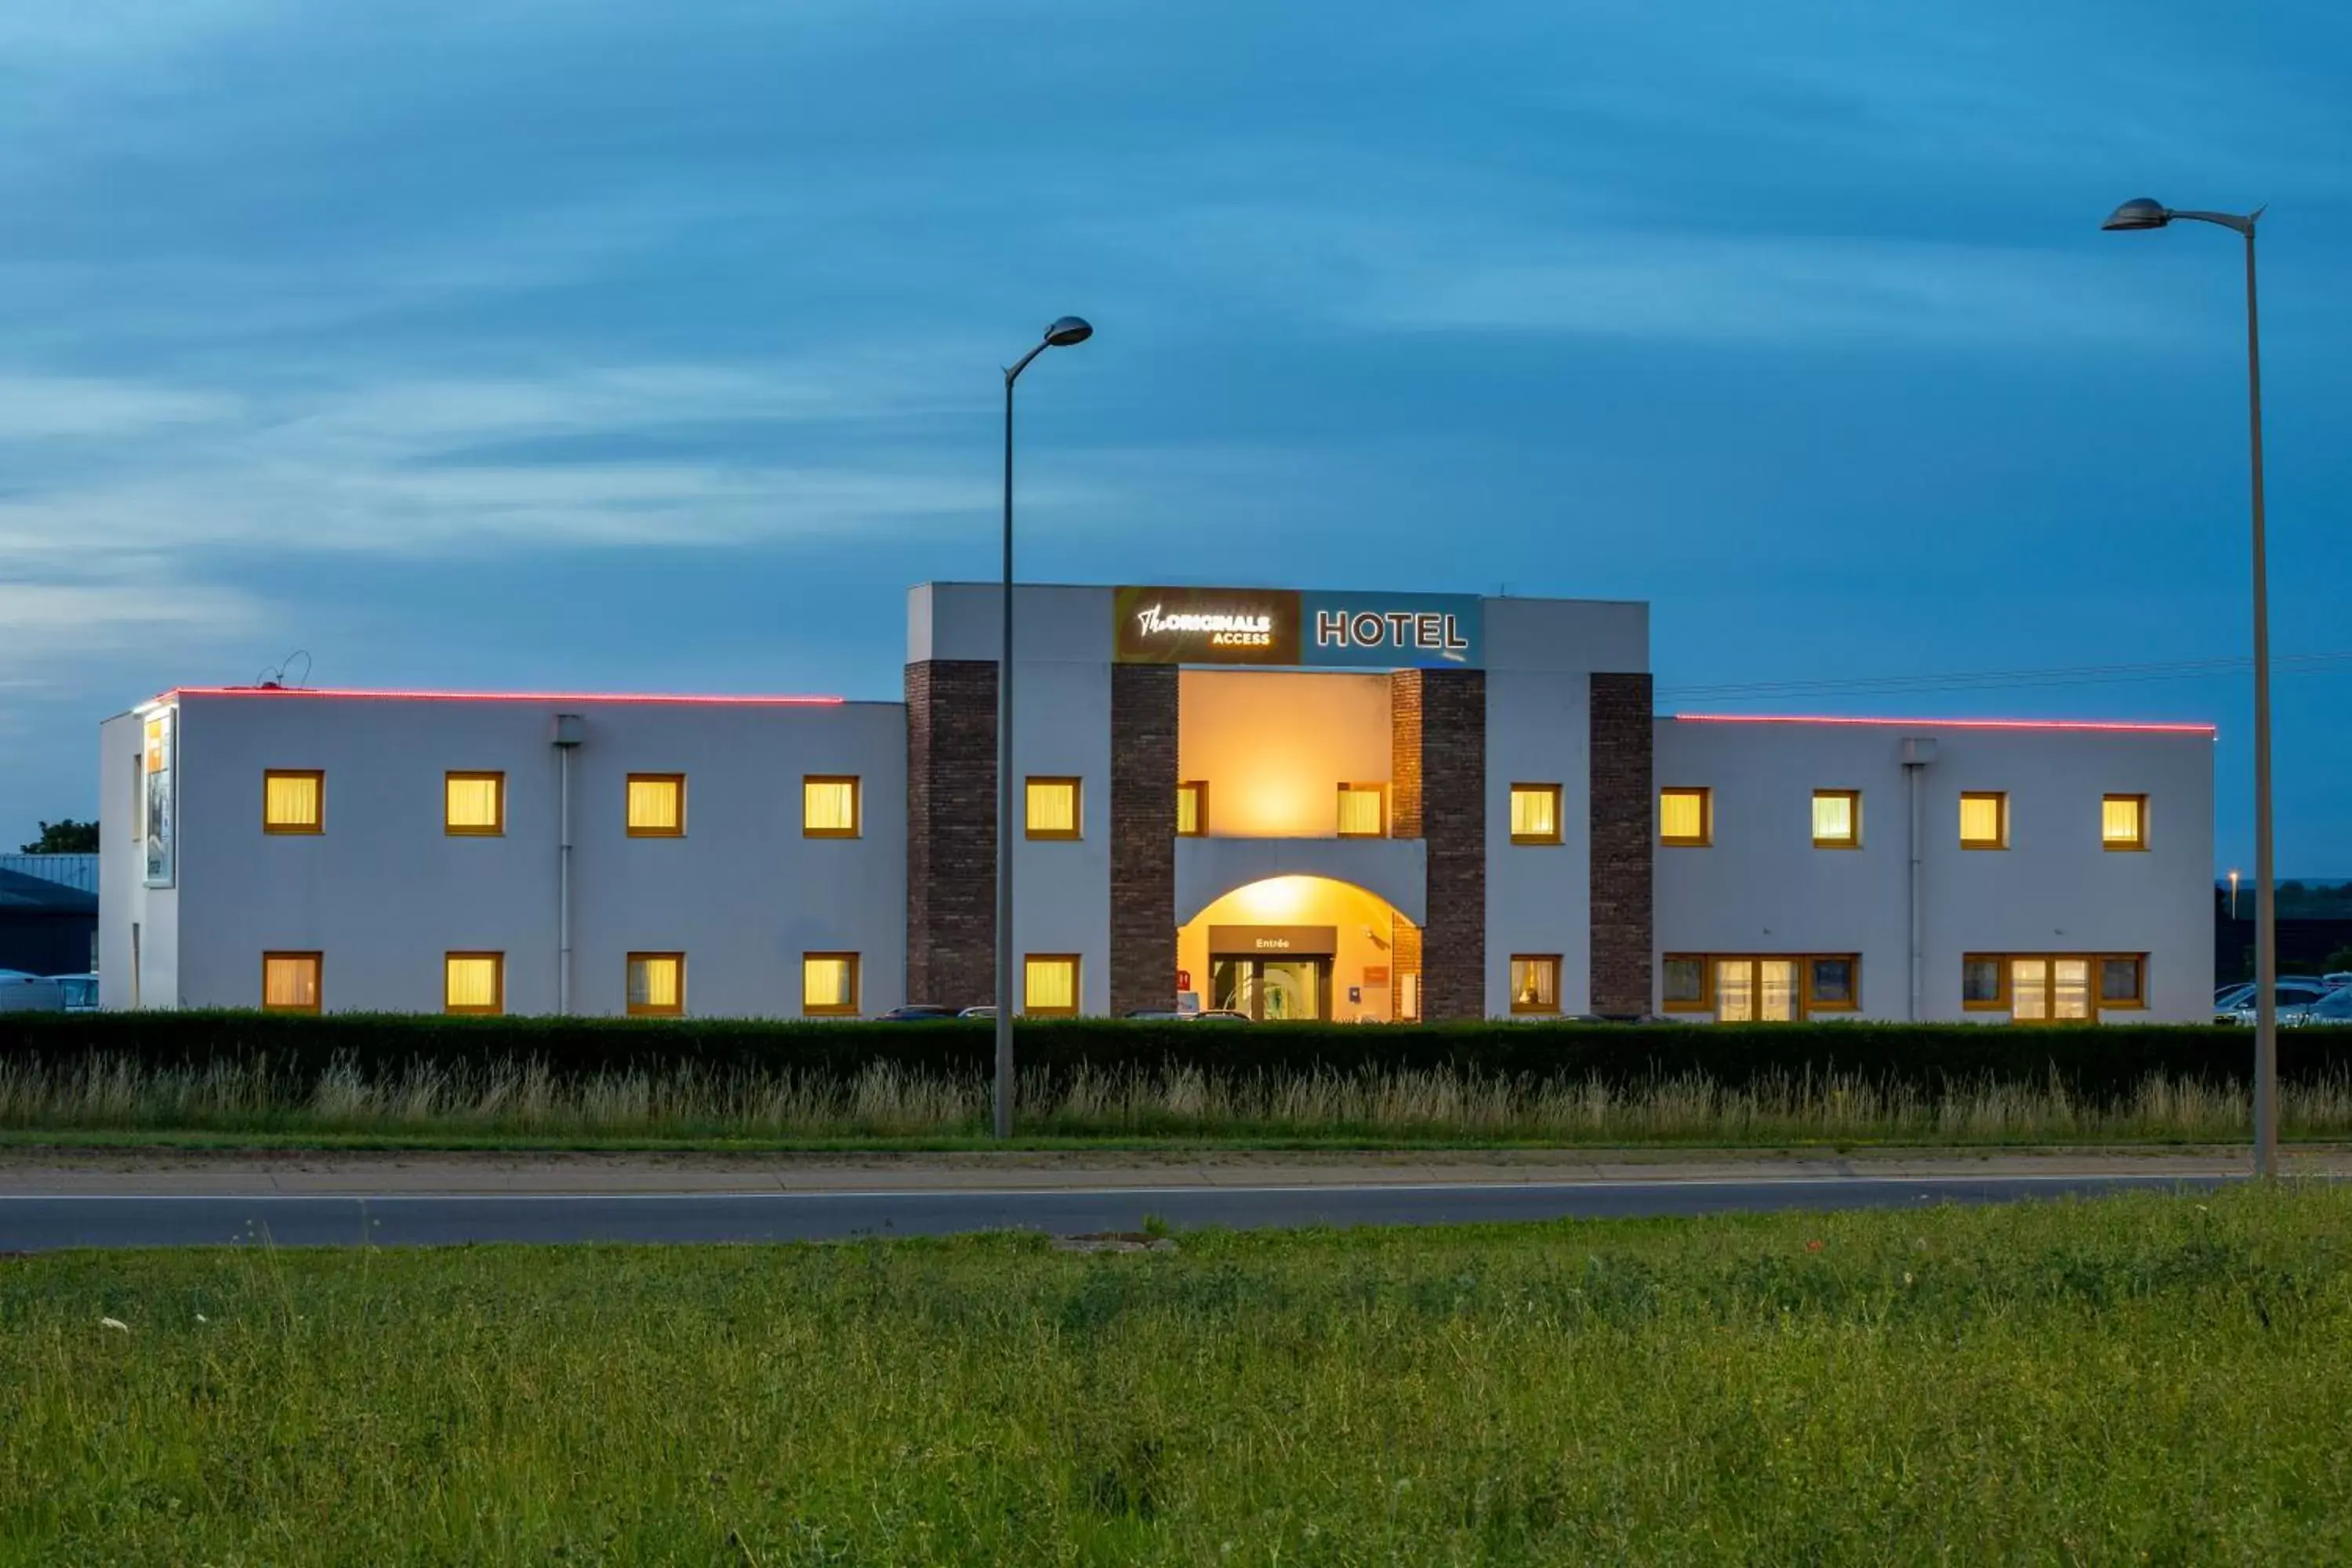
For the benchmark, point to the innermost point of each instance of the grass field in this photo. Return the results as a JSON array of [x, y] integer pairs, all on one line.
[[2136, 1380], [524, 1104]]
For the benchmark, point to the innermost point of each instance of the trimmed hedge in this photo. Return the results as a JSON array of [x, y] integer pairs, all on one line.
[[2095, 1062]]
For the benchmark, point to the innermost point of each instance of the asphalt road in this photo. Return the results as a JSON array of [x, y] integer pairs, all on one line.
[[30, 1222]]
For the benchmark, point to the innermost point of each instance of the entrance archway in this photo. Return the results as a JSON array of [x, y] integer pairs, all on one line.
[[1298, 948]]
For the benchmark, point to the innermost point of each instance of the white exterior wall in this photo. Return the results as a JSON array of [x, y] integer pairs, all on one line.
[[124, 901], [384, 892], [1762, 887]]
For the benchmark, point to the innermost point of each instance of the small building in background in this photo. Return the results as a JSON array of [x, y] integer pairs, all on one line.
[[46, 927]]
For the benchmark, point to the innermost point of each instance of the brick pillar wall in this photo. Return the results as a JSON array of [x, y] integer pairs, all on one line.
[[1437, 781], [1142, 836], [951, 832], [1404, 958], [1622, 860]]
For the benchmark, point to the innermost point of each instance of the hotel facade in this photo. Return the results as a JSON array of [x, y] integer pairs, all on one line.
[[1299, 804]]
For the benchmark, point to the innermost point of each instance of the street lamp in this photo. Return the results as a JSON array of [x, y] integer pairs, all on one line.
[[2146, 214], [2233, 892], [1063, 333]]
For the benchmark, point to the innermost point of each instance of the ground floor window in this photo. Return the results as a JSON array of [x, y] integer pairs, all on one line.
[[474, 983], [1535, 983], [290, 981], [2053, 987], [657, 985], [1050, 984], [828, 983], [1762, 988]]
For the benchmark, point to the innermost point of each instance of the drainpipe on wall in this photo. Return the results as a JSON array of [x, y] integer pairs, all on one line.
[[1918, 751], [569, 731]]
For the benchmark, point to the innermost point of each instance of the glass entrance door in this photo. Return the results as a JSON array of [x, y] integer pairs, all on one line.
[[1270, 990]]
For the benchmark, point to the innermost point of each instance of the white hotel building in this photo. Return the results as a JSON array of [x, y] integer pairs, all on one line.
[[1302, 804]]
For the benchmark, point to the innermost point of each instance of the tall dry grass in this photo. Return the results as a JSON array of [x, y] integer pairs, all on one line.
[[523, 1098]]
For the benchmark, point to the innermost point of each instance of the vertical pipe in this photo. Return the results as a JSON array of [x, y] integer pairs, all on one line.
[[1004, 1002], [563, 888], [2265, 905], [1911, 772]]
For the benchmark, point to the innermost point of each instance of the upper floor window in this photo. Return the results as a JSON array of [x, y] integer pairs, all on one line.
[[294, 800], [1049, 982], [474, 983], [2123, 822], [474, 805], [828, 806], [1191, 809], [828, 983], [1535, 983], [656, 805], [1984, 819], [1535, 813], [1686, 818], [1053, 806], [657, 985], [290, 981], [1837, 819], [1363, 811]]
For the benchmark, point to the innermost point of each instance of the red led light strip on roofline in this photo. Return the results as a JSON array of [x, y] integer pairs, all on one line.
[[2150, 729], [582, 696]]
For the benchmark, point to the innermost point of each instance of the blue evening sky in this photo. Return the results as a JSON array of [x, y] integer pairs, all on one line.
[[515, 343]]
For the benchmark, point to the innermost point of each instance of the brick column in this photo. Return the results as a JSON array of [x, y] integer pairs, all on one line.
[[1437, 774], [1142, 836], [1622, 863], [951, 832]]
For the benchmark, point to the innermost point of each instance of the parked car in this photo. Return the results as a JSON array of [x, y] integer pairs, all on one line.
[[1162, 1014], [1221, 1016], [80, 991], [2336, 1007], [916, 1012], [22, 992], [2291, 998], [2336, 980], [986, 1010], [2231, 997]]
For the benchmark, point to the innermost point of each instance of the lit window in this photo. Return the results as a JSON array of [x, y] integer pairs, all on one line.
[[1830, 984], [1363, 811], [290, 981], [294, 801], [2123, 822], [1837, 819], [1191, 809], [1758, 990], [828, 806], [1981, 987], [2122, 980], [1685, 979], [1685, 817], [2044, 990], [1050, 982], [657, 985], [474, 983], [828, 983], [1052, 808], [474, 805], [1535, 813], [656, 805], [1535, 983], [1984, 820]]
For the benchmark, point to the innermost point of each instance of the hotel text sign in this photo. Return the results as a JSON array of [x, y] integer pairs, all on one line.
[[1285, 627]]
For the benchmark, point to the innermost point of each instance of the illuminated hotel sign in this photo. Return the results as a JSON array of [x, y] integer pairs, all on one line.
[[1285, 627]]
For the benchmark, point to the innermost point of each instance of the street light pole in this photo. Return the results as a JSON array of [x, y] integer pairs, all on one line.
[[2145, 214], [1068, 330]]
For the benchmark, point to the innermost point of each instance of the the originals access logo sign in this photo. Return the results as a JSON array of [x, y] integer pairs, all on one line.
[[1285, 627]]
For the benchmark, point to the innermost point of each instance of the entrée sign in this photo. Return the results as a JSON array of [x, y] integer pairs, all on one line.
[[1285, 627]]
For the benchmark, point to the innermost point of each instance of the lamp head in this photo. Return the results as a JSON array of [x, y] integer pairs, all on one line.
[[2142, 211], [1068, 331]]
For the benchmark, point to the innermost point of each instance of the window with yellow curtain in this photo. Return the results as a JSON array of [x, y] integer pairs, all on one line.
[[1050, 982], [474, 805], [1053, 805], [828, 806], [1535, 813], [1191, 809], [1685, 819], [656, 805], [828, 983], [1984, 820], [1837, 819], [474, 983], [2123, 821], [657, 985], [1535, 983], [1363, 811], [293, 800], [290, 981]]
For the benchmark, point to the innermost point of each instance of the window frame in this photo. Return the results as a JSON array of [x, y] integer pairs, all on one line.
[[1808, 1000], [678, 782], [2000, 840], [2000, 1000], [1559, 822], [2137, 1001], [848, 1009], [2137, 844], [1706, 1003], [1706, 837], [498, 829], [1200, 792], [1077, 984], [856, 828], [1853, 797], [318, 777], [1345, 788], [649, 1009], [1077, 828], [1536, 1009], [318, 962], [498, 1007]]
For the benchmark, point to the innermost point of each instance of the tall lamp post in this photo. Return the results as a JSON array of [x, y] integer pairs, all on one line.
[[2146, 214], [1062, 333]]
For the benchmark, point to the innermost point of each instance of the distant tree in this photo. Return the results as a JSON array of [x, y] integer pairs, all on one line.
[[67, 837]]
